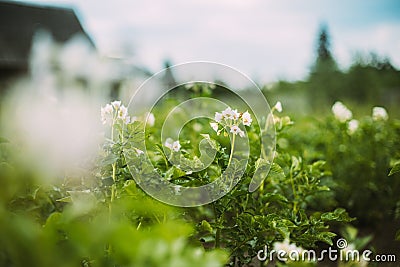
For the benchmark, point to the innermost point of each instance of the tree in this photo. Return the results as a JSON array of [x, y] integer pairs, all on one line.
[[324, 55], [325, 77], [169, 80]]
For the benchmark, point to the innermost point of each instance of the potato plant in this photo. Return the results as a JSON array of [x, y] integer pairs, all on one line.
[[103, 217]]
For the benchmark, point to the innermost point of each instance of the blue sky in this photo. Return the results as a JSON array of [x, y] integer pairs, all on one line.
[[268, 40]]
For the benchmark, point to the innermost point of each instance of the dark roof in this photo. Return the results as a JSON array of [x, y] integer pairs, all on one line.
[[20, 21]]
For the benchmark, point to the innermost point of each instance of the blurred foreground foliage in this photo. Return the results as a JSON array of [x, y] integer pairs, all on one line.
[[60, 224]]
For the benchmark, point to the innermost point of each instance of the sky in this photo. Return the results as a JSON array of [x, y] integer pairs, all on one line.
[[267, 40]]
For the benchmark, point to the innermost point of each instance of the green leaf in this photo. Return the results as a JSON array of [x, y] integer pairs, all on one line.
[[208, 239], [318, 164], [326, 237], [193, 164], [296, 164], [397, 236], [323, 188], [174, 173], [178, 173], [130, 187], [286, 121], [339, 215], [205, 226], [262, 170], [65, 199], [395, 169], [276, 172], [362, 242], [53, 220], [34, 193], [107, 181], [274, 197], [81, 195], [350, 232], [108, 160], [211, 141]]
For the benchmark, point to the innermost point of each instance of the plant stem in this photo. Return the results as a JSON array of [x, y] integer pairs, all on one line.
[[294, 193], [218, 231], [217, 237], [232, 148], [230, 159], [262, 132], [114, 168], [140, 223]]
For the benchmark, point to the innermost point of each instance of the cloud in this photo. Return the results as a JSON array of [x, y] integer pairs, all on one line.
[[382, 39], [267, 39], [260, 38]]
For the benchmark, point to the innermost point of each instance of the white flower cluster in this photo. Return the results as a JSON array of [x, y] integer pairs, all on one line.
[[115, 111], [352, 126], [138, 151], [231, 118], [278, 106], [287, 247], [341, 112], [379, 113], [150, 119], [147, 118], [173, 145], [348, 253]]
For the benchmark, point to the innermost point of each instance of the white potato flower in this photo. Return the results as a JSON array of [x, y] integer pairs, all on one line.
[[214, 125], [363, 262], [218, 117], [235, 114], [116, 104], [106, 114], [379, 113], [352, 126], [236, 130], [173, 145], [241, 133], [227, 113], [139, 151], [108, 109], [341, 112], [287, 247], [127, 119], [150, 119], [246, 118], [189, 86], [122, 112], [236, 117], [176, 146], [278, 106], [168, 144]]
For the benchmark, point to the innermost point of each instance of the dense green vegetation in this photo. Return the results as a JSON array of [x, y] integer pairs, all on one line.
[[370, 80]]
